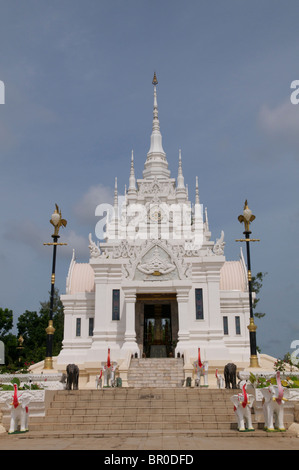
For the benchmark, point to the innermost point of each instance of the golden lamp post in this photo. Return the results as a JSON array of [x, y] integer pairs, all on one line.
[[247, 217], [57, 221], [20, 347]]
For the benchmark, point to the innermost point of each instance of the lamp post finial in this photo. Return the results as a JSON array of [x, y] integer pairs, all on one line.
[[246, 217]]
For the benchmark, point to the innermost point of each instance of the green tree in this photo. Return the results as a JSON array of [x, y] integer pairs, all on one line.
[[11, 352], [32, 326], [9, 340], [58, 320], [257, 284], [6, 322]]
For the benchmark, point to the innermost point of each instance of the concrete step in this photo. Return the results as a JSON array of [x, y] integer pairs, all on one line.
[[131, 411], [150, 410], [73, 433], [155, 372]]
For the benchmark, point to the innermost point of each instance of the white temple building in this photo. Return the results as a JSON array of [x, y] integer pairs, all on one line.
[[156, 285]]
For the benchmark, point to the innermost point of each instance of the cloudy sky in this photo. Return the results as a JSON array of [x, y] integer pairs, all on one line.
[[78, 99]]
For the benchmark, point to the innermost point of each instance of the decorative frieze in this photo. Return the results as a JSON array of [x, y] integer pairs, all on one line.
[[156, 187]]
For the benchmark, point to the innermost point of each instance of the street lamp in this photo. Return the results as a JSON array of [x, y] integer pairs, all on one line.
[[247, 217], [57, 222]]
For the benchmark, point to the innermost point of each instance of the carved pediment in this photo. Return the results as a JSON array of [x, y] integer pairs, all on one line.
[[155, 260], [156, 265]]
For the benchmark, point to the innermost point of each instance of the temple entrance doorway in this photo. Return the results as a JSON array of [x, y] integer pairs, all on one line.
[[157, 330], [157, 324]]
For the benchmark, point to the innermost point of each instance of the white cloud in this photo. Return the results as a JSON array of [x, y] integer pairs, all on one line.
[[25, 231], [84, 210], [281, 121], [75, 242], [28, 233]]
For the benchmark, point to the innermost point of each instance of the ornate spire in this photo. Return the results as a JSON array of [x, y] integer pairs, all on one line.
[[112, 226], [132, 179], [156, 138], [206, 220], [115, 205], [180, 181], [196, 192], [156, 163]]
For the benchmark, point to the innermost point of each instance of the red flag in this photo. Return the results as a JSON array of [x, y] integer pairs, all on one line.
[[280, 389], [15, 401], [108, 359], [199, 361], [244, 403]]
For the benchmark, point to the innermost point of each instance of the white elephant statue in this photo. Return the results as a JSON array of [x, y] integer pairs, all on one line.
[[242, 407], [273, 405], [109, 371], [107, 375], [19, 411], [99, 380], [201, 370], [219, 379]]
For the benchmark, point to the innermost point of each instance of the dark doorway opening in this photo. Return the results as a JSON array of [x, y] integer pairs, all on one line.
[[157, 330]]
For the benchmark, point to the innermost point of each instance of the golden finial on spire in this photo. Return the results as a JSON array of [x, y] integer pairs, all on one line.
[[155, 81]]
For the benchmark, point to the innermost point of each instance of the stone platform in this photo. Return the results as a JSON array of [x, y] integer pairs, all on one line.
[[144, 412]]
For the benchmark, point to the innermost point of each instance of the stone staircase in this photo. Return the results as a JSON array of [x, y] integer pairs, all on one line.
[[115, 412], [162, 373]]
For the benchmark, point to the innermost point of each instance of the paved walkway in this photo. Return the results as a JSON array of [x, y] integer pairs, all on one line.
[[164, 443]]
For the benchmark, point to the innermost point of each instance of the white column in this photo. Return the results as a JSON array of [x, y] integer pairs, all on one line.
[[213, 293], [183, 314], [102, 312], [130, 333], [69, 331]]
